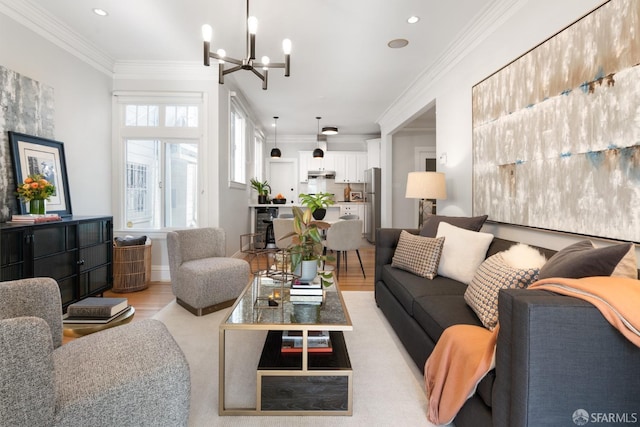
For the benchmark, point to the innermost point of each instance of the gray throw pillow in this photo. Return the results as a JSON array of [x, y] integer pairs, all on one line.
[[430, 227], [582, 259]]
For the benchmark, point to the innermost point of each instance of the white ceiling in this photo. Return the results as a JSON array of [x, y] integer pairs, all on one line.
[[341, 67]]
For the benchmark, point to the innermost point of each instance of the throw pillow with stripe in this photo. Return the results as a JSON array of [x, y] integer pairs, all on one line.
[[418, 255]]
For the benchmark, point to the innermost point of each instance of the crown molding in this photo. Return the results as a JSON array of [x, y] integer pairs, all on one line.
[[412, 99], [41, 22]]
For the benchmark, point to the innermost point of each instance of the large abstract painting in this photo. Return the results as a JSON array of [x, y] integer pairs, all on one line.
[[25, 106], [556, 133]]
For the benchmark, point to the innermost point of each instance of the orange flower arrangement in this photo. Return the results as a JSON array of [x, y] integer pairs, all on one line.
[[35, 187]]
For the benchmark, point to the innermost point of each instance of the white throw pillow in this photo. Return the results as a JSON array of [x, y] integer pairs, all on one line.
[[462, 253]]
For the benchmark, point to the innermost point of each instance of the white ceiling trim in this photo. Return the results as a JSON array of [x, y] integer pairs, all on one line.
[[414, 97], [41, 22]]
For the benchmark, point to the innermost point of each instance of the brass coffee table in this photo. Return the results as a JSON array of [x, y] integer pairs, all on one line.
[[301, 384]]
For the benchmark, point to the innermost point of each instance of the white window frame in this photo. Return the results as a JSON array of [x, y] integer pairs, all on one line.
[[121, 133], [235, 107]]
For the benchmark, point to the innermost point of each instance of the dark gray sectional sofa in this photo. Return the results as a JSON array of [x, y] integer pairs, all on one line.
[[555, 355]]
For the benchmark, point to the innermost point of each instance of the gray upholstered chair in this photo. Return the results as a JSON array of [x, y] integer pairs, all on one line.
[[203, 278], [133, 374], [344, 236]]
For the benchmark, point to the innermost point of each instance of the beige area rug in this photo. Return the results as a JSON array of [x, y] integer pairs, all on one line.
[[388, 388]]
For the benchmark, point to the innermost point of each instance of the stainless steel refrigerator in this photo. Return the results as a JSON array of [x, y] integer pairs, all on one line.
[[372, 195]]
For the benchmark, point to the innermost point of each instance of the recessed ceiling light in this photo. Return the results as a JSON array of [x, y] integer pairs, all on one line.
[[413, 19], [100, 12], [398, 43]]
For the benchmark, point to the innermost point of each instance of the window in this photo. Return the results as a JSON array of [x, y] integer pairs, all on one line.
[[237, 144], [160, 148]]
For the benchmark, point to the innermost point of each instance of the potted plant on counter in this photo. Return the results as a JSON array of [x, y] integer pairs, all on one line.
[[317, 203], [306, 246], [263, 190]]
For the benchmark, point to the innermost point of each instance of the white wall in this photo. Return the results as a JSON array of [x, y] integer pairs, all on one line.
[[82, 111], [404, 149], [529, 24]]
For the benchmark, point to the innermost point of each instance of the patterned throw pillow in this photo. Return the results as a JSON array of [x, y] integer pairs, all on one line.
[[418, 255], [496, 273]]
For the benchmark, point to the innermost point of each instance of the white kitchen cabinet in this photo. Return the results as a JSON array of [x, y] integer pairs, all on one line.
[[373, 153], [354, 209], [350, 167], [308, 163]]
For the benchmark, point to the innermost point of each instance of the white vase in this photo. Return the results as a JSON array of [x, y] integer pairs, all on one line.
[[307, 270]]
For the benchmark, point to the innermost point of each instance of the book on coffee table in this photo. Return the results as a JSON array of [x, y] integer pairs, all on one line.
[[305, 288], [317, 342], [94, 320], [94, 307]]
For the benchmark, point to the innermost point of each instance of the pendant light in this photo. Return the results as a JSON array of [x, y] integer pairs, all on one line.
[[275, 151], [318, 153]]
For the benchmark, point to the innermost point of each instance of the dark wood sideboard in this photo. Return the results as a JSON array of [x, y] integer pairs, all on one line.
[[77, 252]]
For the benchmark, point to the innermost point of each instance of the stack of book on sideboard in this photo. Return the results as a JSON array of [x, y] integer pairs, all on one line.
[[317, 342], [306, 292], [34, 218], [95, 310]]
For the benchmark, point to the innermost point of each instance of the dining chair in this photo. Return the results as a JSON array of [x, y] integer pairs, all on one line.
[[349, 216], [344, 236]]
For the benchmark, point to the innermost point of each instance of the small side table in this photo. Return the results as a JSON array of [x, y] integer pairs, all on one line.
[[81, 329]]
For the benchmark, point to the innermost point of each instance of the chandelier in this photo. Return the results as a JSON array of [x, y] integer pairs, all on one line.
[[249, 62]]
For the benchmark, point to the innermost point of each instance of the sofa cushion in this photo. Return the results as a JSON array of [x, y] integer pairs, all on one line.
[[407, 286], [462, 253], [435, 313], [582, 259], [430, 228], [418, 255], [499, 272]]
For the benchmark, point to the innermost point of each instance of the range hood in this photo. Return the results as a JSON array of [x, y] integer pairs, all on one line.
[[321, 174]]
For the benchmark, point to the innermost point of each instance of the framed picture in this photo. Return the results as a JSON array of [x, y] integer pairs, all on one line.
[[355, 196], [35, 155]]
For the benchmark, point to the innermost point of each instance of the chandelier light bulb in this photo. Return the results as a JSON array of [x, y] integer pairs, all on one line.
[[252, 24], [207, 32], [222, 53], [265, 62], [286, 46]]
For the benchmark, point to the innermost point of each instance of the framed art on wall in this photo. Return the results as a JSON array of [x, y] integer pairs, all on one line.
[[356, 196], [35, 155]]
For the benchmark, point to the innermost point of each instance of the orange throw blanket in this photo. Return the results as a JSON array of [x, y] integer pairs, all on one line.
[[465, 353], [462, 357]]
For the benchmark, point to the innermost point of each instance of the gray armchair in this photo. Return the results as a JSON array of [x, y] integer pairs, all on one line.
[[133, 374], [203, 279]]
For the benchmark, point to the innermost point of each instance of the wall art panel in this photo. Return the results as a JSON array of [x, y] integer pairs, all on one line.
[[26, 106], [556, 133]]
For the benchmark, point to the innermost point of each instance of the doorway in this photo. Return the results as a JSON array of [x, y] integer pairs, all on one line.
[[282, 175]]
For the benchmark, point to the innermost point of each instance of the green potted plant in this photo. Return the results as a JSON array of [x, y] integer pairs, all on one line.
[[317, 203], [306, 246], [263, 190]]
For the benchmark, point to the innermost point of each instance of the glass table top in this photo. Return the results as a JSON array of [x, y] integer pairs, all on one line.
[[266, 304]]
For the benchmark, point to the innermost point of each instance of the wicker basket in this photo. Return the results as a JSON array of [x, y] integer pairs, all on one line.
[[131, 267]]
